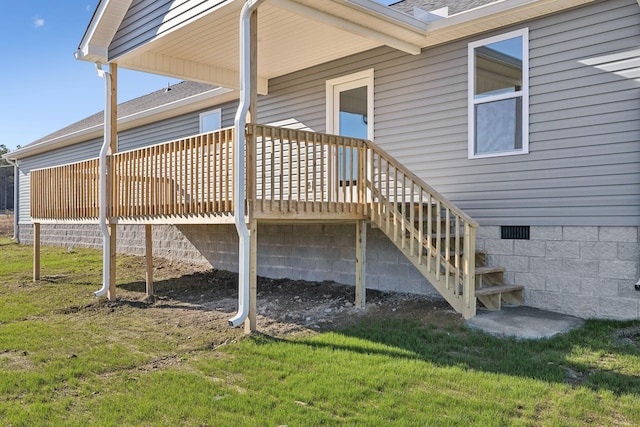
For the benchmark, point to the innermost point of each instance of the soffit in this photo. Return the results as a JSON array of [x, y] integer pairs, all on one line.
[[298, 34], [292, 35]]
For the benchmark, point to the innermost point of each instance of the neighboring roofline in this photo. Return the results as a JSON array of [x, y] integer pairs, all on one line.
[[140, 118]]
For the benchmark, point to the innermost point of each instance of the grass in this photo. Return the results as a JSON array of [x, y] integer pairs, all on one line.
[[69, 360]]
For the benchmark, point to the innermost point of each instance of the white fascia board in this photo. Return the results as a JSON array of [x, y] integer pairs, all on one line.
[[94, 45], [92, 53], [347, 25], [155, 114]]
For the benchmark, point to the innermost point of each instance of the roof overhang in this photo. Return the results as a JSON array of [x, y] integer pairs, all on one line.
[[172, 109], [292, 35], [106, 20]]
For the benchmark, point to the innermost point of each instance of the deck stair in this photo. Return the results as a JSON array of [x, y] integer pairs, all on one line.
[[436, 237], [490, 288]]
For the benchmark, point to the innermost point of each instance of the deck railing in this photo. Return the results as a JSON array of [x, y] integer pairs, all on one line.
[[290, 173], [298, 171], [186, 177], [66, 192]]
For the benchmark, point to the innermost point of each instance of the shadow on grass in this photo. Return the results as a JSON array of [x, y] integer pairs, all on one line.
[[555, 360], [572, 358]]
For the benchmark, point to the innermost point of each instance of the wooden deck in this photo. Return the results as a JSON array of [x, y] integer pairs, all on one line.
[[291, 175]]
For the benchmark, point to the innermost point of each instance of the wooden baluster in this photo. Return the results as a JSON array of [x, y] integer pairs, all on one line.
[[388, 198], [403, 211], [263, 166], [281, 161], [412, 218], [420, 226], [457, 255], [429, 230], [438, 254], [447, 247]]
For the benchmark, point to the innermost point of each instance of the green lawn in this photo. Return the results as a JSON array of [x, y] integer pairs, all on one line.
[[69, 360]]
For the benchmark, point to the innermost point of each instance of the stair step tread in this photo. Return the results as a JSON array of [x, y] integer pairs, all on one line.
[[489, 270], [492, 290]]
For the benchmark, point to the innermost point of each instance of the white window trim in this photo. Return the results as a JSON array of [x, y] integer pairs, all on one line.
[[209, 112], [524, 93], [357, 79]]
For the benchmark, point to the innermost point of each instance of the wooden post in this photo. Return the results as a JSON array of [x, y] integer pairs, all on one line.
[[111, 294], [149, 258], [361, 263], [36, 251], [250, 322], [113, 69], [253, 52], [469, 265]]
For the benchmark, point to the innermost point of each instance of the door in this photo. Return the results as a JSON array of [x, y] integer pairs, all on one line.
[[349, 113]]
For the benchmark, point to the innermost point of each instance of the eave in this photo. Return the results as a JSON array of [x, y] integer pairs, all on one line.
[[141, 118]]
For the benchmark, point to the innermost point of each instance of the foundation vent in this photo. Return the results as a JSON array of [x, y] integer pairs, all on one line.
[[514, 232]]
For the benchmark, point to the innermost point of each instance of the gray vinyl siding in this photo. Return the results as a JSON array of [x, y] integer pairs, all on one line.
[[584, 162], [144, 18]]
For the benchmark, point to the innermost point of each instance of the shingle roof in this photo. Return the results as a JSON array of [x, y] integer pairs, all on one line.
[[455, 6], [158, 98]]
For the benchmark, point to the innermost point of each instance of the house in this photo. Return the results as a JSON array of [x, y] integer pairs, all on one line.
[[488, 152]]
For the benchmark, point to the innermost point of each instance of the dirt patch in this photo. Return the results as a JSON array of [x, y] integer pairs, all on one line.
[[630, 336], [6, 225], [206, 299]]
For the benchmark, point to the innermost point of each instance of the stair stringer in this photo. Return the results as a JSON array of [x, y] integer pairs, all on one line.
[[463, 304]]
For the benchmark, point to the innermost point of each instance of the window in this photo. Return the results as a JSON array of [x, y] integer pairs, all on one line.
[[210, 120], [499, 95]]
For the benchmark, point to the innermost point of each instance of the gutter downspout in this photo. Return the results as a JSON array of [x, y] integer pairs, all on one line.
[[16, 189], [102, 183], [239, 163]]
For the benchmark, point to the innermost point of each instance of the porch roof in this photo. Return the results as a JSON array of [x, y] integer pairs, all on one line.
[[292, 34]]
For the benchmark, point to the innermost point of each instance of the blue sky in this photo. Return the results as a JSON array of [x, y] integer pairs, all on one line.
[[44, 88]]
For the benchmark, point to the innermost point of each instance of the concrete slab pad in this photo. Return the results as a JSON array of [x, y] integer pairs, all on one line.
[[523, 322]]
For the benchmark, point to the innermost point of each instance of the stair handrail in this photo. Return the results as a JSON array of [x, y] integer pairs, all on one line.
[[426, 187]]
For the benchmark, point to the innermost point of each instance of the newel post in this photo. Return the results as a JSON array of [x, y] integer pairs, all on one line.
[[469, 284]]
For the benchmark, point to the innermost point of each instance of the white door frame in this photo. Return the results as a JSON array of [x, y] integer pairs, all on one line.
[[333, 89]]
